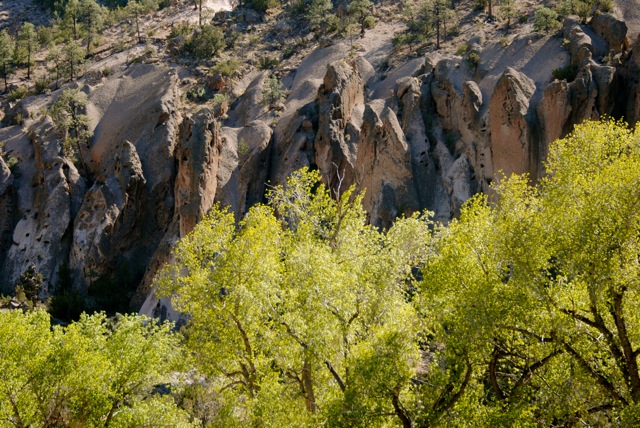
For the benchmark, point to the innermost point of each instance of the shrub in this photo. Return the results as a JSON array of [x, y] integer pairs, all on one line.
[[462, 49], [42, 85], [199, 94], [473, 59], [272, 91], [369, 22], [268, 63], [30, 283], [261, 5], [226, 68], [605, 5], [219, 99], [179, 30], [18, 93], [206, 42], [546, 20], [567, 73]]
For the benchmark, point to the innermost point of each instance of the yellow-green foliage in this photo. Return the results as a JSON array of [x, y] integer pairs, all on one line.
[[302, 317], [539, 291], [95, 372]]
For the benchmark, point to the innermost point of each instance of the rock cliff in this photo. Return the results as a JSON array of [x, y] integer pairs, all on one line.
[[426, 135]]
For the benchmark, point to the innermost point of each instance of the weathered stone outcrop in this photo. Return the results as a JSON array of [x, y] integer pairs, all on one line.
[[384, 167], [7, 209], [108, 227], [49, 193], [197, 156], [630, 80], [340, 104], [250, 105], [612, 30], [242, 173], [426, 134], [513, 141], [554, 110]]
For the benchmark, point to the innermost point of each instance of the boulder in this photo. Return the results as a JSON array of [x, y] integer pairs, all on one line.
[[243, 166], [109, 222], [48, 191], [553, 110]]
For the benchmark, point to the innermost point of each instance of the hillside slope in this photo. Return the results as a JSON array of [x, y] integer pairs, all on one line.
[[417, 130]]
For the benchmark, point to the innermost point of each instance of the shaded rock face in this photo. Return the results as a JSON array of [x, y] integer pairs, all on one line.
[[612, 30], [384, 166], [48, 194], [340, 105], [197, 156], [108, 225], [428, 135]]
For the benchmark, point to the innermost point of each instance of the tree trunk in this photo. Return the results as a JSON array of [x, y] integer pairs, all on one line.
[[29, 62], [310, 399], [138, 28]]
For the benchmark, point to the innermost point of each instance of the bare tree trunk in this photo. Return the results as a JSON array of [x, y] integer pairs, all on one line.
[[310, 399]]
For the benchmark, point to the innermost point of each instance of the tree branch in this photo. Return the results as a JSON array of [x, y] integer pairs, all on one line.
[[443, 404], [631, 362], [535, 366], [492, 373], [336, 376], [399, 411], [602, 381]]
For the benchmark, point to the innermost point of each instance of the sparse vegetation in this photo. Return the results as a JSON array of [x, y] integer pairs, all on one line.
[[567, 73], [72, 123], [226, 68], [268, 63], [546, 20], [273, 92]]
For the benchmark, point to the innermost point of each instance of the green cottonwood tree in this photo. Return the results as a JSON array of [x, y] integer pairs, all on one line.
[[300, 314], [539, 291], [95, 372]]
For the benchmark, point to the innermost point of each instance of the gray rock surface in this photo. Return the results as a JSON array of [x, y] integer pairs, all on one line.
[[425, 134]]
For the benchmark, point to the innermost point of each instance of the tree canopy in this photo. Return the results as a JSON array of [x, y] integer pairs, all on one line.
[[521, 312], [95, 372], [539, 290]]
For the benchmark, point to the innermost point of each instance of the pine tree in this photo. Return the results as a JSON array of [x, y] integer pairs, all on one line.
[[360, 10], [92, 15], [74, 56], [7, 46], [26, 45]]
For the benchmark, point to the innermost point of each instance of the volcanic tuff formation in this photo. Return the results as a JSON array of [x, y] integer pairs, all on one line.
[[425, 136]]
